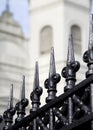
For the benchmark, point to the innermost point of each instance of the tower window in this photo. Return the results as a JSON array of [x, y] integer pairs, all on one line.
[[46, 39]]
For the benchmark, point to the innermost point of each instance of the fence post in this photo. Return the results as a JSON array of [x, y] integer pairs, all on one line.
[[8, 114], [35, 97], [50, 84], [88, 58], [69, 73], [21, 105]]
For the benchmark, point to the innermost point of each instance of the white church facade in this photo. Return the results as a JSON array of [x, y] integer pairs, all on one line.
[[14, 58], [51, 23]]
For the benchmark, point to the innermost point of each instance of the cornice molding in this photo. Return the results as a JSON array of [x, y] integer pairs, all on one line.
[[46, 6], [76, 5]]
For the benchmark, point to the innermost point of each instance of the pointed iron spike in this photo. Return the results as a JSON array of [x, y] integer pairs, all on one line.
[[70, 56], [10, 102], [91, 18], [22, 95], [36, 76], [52, 69], [90, 46]]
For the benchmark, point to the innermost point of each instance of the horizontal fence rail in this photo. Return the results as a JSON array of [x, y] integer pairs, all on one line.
[[57, 102]]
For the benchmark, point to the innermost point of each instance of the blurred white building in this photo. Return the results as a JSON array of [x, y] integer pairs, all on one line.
[[14, 58], [51, 22]]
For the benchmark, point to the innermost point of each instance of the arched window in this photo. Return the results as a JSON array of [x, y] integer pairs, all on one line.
[[76, 34], [46, 39]]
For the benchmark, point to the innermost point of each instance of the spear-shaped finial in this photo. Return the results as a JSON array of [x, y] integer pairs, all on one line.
[[70, 56], [22, 104], [90, 46], [53, 79], [36, 77], [9, 113], [10, 103], [52, 69], [91, 18], [22, 95], [72, 66], [37, 90], [88, 55]]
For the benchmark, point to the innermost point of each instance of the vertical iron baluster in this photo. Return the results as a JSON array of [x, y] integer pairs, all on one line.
[[50, 84], [9, 113], [88, 58], [69, 73], [35, 96], [91, 94], [22, 104], [90, 63]]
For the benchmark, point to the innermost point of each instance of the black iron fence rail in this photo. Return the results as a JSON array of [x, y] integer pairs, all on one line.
[[78, 123], [57, 102]]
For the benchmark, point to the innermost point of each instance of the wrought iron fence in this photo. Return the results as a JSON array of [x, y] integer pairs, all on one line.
[[73, 110]]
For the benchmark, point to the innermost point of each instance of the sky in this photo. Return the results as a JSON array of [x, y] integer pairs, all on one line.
[[20, 10]]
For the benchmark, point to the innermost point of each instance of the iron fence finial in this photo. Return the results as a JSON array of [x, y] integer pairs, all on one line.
[[90, 46], [35, 97], [37, 90], [10, 103], [22, 104], [22, 93], [72, 66], [9, 113], [53, 78], [52, 69], [36, 76], [70, 56], [88, 55]]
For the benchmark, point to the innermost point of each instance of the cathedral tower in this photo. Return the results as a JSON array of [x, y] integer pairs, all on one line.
[[51, 22], [14, 57]]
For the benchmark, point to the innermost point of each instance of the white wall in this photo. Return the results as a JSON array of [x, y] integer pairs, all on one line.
[[61, 15]]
